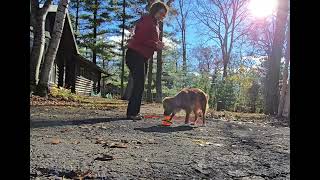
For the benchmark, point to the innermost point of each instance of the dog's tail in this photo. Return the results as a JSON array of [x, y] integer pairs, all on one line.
[[206, 100]]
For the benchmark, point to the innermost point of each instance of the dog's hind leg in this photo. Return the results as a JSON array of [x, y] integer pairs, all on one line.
[[195, 111], [187, 116]]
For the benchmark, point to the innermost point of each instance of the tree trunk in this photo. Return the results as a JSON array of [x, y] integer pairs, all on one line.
[[184, 53], [159, 62], [42, 87], [176, 64], [37, 49], [286, 109], [182, 26], [149, 86], [285, 77], [38, 17], [159, 68], [225, 68], [103, 80], [225, 62], [77, 20], [94, 50], [273, 71], [212, 87], [127, 92], [122, 45]]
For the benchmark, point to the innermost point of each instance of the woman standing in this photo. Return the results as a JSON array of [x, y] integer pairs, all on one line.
[[140, 48]]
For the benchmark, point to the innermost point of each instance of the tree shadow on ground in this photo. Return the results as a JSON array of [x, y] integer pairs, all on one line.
[[53, 123], [165, 129]]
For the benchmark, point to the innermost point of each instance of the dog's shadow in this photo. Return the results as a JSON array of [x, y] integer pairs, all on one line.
[[165, 129]]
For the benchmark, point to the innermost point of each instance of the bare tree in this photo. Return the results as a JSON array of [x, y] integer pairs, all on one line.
[[205, 58], [122, 44], [42, 87], [150, 67], [38, 19], [183, 11], [261, 36], [273, 70], [208, 60], [225, 21]]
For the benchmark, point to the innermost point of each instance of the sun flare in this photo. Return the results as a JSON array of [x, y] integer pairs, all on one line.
[[262, 8]]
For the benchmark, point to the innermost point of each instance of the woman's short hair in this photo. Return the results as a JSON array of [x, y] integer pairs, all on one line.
[[155, 7]]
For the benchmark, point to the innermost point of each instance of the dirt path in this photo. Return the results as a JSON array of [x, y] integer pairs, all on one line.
[[89, 137]]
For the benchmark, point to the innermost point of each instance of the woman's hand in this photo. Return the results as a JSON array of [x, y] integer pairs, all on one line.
[[159, 45]]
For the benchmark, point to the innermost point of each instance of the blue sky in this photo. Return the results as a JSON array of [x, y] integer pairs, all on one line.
[[192, 35]]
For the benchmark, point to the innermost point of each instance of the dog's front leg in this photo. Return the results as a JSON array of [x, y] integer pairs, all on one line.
[[172, 116], [187, 116]]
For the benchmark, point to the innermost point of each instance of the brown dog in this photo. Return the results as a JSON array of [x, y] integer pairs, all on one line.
[[188, 99]]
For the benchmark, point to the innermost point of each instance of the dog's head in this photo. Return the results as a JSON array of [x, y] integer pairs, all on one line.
[[168, 106]]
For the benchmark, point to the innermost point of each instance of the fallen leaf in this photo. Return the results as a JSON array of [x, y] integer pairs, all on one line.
[[219, 145], [81, 175], [100, 141], [202, 142], [152, 141], [137, 142], [124, 141], [104, 157], [103, 127], [202, 170], [65, 130], [76, 142], [55, 141], [117, 145]]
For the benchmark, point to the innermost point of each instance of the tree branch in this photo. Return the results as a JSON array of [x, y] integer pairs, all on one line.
[[45, 7]]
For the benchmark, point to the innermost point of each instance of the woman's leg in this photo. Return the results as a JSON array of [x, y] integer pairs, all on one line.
[[136, 64]]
